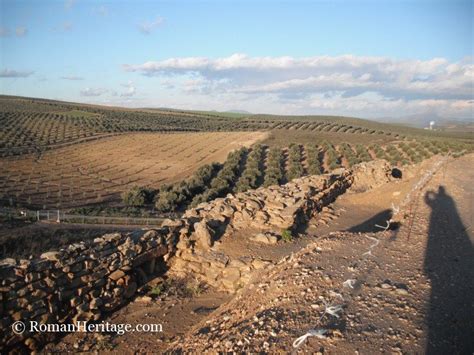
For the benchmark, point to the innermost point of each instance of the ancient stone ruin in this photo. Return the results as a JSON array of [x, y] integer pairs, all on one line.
[[86, 280], [274, 209]]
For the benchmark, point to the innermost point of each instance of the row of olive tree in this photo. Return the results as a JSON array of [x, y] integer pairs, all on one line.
[[378, 151], [295, 168], [173, 197], [251, 177], [224, 182], [362, 153], [138, 196], [395, 157], [312, 153], [411, 153], [333, 158], [273, 172], [348, 153]]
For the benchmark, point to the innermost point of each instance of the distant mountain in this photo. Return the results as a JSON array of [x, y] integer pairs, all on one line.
[[239, 111]]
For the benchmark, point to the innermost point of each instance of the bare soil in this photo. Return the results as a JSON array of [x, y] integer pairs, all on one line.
[[98, 171]]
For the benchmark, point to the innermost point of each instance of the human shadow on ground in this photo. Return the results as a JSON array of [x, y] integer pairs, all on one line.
[[449, 264], [375, 223]]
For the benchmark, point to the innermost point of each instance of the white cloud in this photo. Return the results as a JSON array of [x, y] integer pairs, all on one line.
[[66, 26], [72, 77], [93, 91], [4, 31], [365, 84], [9, 73], [68, 4], [21, 31], [147, 27], [131, 90], [101, 10]]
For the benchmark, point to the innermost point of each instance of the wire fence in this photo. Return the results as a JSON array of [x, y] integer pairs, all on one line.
[[58, 216]]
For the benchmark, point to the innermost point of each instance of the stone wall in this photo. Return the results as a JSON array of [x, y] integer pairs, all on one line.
[[275, 207], [268, 210], [78, 283]]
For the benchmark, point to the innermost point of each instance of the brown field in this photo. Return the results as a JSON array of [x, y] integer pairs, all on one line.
[[99, 171]]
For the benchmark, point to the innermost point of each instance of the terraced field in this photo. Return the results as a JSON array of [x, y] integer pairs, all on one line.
[[99, 171]]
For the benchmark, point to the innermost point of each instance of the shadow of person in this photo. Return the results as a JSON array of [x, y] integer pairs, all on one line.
[[376, 223], [449, 264]]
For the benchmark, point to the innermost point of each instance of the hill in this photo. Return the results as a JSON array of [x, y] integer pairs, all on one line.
[[31, 125]]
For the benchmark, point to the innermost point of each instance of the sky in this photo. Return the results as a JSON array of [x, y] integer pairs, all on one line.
[[357, 58]]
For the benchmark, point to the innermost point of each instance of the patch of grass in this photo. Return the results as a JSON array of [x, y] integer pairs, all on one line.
[[105, 343], [286, 235], [158, 290], [195, 288], [177, 287]]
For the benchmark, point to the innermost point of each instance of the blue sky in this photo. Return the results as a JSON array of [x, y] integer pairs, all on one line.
[[363, 58]]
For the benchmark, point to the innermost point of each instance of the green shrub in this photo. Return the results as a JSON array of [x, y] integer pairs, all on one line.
[[286, 235], [135, 197], [157, 290]]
